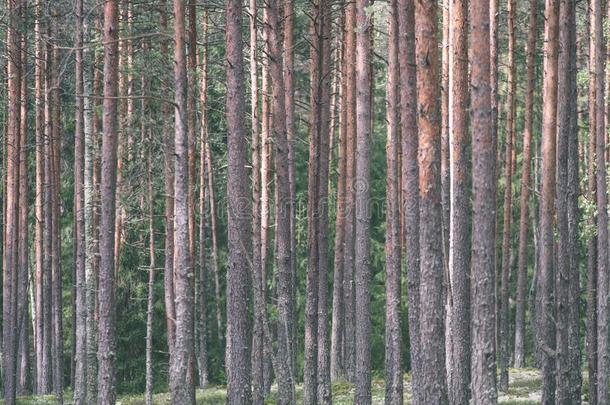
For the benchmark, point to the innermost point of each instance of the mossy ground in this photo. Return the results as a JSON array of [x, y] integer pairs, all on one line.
[[524, 389]]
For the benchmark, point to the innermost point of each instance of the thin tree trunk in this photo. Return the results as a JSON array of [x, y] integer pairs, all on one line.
[[591, 339], [284, 353], [564, 243], [215, 267], [310, 362], [107, 305], [350, 221], [525, 188], [239, 226], [258, 342], [11, 230], [288, 45], [203, 89], [91, 226], [22, 365], [337, 365], [483, 364], [168, 275], [181, 385], [410, 182], [323, 367], [393, 337], [575, 362], [433, 377], [54, 173], [503, 334], [603, 359], [41, 375], [546, 281], [80, 388], [459, 226], [151, 263]]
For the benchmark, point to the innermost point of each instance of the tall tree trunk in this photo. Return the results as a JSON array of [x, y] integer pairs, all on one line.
[[410, 181], [503, 333], [574, 220], [312, 280], [591, 339], [350, 221], [433, 377], [23, 277], [80, 388], [284, 352], [393, 337], [107, 305], [11, 230], [240, 225], [203, 94], [564, 243], [168, 156], [603, 359], [288, 45], [459, 226], [215, 266], [483, 364], [181, 385], [258, 341], [546, 280], [323, 368], [41, 374], [92, 200], [150, 301], [337, 365], [53, 67], [525, 188]]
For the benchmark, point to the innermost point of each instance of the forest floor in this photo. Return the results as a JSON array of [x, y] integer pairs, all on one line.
[[524, 389]]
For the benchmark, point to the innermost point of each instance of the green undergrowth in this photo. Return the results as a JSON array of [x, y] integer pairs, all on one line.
[[524, 389]]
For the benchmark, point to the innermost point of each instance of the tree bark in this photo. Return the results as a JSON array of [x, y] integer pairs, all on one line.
[[503, 334], [603, 359], [41, 369], [410, 181], [258, 342], [459, 225], [564, 243], [323, 355], [107, 305], [393, 338], [80, 387], [168, 275], [483, 364], [433, 377], [284, 353], [546, 294], [11, 230], [525, 188], [181, 385], [350, 226], [337, 365], [203, 94], [239, 226]]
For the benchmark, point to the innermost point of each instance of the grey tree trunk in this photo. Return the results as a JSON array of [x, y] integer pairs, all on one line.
[[410, 181], [393, 337], [459, 224], [525, 189], [238, 360], [107, 305], [181, 384], [80, 351]]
